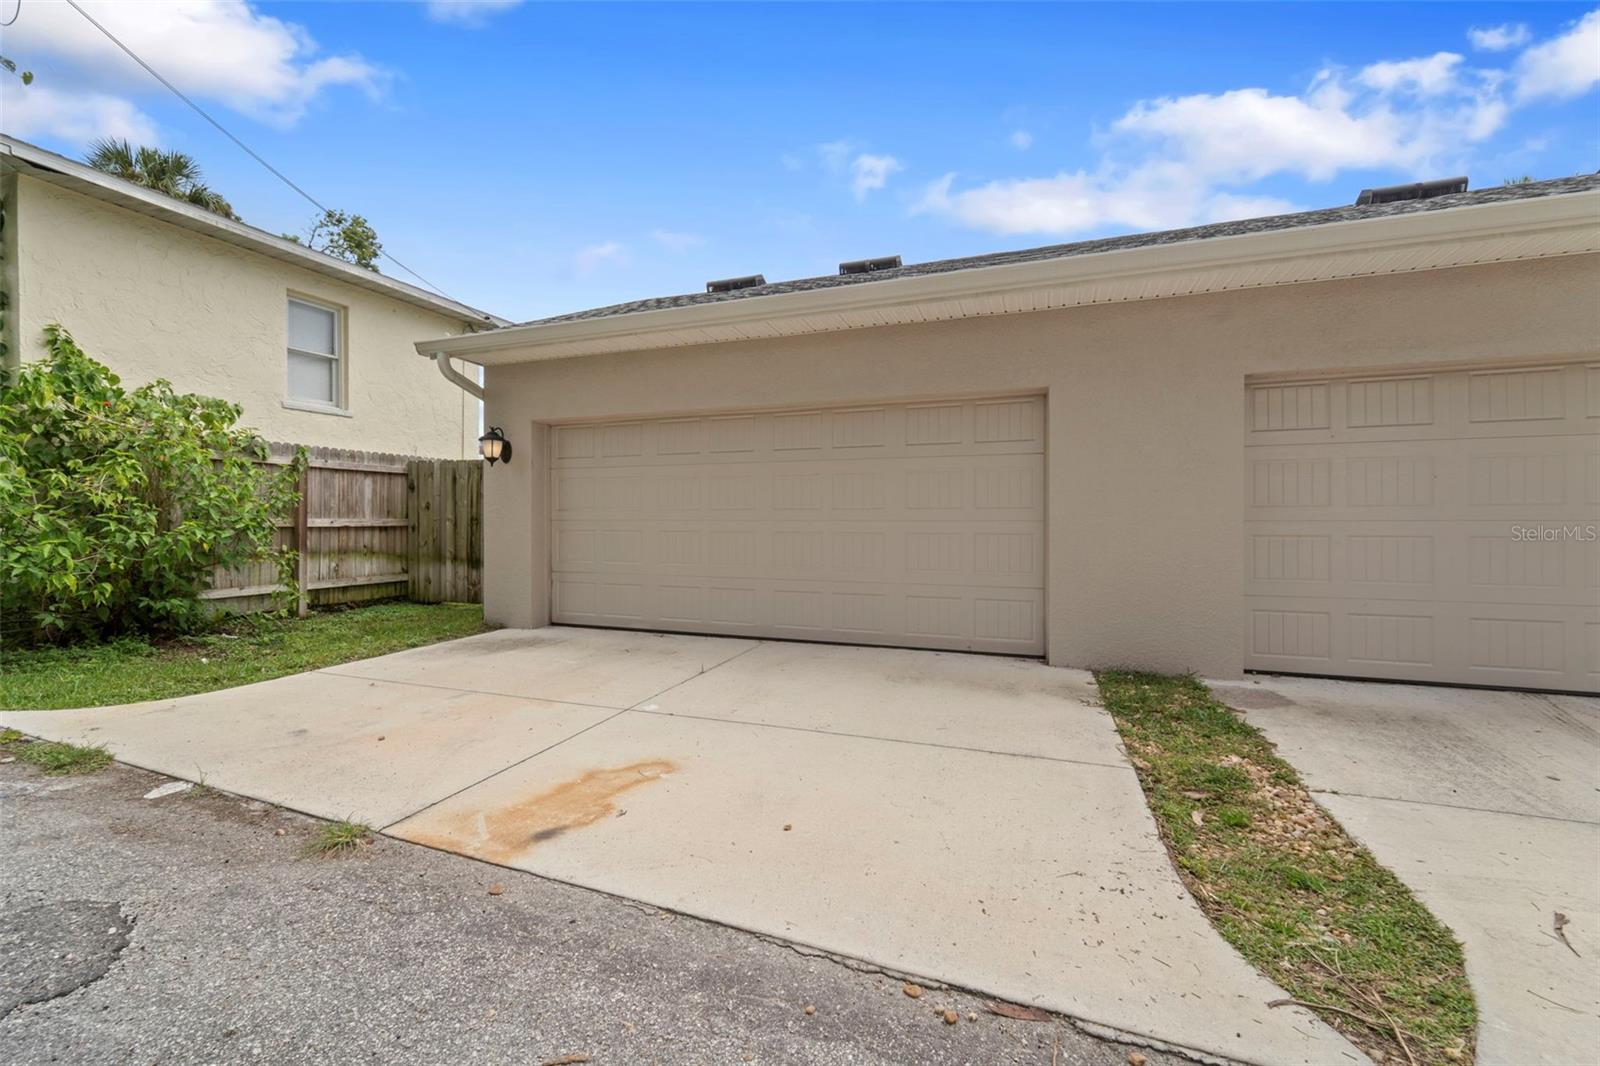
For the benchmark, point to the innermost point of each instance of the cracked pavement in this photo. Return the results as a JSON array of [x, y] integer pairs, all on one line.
[[240, 948], [969, 819]]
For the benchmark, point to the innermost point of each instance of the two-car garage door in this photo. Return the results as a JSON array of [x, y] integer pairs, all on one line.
[[918, 525], [1432, 527]]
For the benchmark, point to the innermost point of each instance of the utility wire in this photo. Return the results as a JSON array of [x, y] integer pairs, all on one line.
[[251, 152]]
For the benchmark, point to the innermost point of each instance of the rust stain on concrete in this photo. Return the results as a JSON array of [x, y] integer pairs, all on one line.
[[507, 833]]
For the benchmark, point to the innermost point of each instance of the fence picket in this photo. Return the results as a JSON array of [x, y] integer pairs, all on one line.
[[372, 526]]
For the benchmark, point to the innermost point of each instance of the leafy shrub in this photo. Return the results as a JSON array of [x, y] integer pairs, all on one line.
[[115, 505]]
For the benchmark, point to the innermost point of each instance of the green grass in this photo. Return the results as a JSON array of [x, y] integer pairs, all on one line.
[[239, 651], [1284, 883], [340, 838], [52, 757]]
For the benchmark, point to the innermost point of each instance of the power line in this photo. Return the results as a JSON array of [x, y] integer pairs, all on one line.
[[251, 152]]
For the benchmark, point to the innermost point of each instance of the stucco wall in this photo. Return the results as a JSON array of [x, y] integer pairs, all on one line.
[[1145, 453], [151, 300]]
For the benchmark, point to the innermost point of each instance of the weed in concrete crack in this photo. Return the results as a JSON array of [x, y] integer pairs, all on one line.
[[340, 838]]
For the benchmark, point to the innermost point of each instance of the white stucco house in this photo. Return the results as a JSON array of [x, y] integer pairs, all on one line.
[[1362, 441], [316, 350]]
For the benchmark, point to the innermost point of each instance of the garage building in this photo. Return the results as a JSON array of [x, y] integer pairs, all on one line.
[[1362, 441]]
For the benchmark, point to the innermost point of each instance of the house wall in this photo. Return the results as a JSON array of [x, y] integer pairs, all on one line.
[[1145, 451], [9, 349], [152, 300]]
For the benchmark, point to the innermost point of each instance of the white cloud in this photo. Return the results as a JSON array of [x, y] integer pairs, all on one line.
[[1427, 76], [1021, 140], [1061, 204], [468, 12], [1499, 38], [42, 110], [676, 242], [1178, 161], [595, 256], [1247, 134], [1563, 66], [870, 172], [835, 155], [258, 65], [866, 172], [1154, 197]]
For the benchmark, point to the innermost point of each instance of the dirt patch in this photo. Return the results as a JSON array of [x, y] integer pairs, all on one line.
[[506, 834]]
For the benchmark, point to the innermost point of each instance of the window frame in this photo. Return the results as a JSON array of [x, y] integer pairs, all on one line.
[[340, 404]]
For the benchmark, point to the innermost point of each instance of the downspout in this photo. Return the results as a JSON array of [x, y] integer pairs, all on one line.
[[456, 377]]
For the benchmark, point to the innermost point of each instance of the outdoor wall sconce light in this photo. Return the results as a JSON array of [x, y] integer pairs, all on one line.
[[494, 447]]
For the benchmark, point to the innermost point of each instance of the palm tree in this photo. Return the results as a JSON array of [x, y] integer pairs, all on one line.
[[174, 174]]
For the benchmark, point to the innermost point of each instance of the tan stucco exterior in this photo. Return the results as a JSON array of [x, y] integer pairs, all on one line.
[[1144, 452], [153, 300]]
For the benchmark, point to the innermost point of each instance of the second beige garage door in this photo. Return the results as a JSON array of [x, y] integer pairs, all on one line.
[[1428, 527], [918, 525]]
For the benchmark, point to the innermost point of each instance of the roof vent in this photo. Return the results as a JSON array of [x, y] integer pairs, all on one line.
[[1422, 190], [730, 284], [867, 266]]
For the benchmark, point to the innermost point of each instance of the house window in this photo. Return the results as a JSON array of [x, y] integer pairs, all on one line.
[[315, 352]]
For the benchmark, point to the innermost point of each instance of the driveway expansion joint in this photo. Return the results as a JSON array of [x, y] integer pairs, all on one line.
[[473, 691], [618, 712], [1452, 806], [487, 777], [886, 740], [703, 672]]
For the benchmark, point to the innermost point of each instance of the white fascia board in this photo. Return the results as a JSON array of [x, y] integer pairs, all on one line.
[[1125, 274]]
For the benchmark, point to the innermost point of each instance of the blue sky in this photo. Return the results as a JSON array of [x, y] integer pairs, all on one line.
[[533, 159]]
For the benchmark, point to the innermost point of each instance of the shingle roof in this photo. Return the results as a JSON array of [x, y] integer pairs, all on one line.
[[1324, 216]]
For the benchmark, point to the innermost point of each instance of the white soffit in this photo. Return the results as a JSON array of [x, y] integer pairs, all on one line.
[[1489, 233]]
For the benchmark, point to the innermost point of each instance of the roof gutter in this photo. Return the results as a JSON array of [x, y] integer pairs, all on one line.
[[456, 377], [1521, 229]]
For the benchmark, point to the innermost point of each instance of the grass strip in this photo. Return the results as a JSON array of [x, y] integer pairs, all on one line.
[[54, 758], [239, 651], [1282, 881]]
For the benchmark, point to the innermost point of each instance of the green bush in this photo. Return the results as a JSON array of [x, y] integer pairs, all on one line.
[[115, 505]]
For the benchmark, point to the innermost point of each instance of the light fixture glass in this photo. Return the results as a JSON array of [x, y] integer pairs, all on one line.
[[494, 447]]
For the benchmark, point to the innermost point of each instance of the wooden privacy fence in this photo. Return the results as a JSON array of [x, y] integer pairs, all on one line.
[[445, 556], [371, 526]]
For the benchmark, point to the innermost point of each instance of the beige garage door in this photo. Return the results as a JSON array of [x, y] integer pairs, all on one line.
[[919, 525], [1434, 527]]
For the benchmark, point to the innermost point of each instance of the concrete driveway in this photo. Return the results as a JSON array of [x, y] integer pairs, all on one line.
[[967, 819], [1488, 805]]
